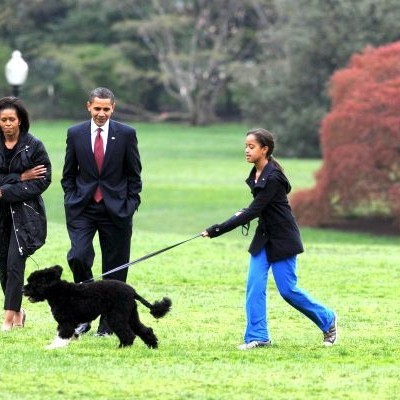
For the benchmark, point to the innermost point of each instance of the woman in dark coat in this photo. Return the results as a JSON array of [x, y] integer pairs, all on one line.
[[25, 173], [275, 245]]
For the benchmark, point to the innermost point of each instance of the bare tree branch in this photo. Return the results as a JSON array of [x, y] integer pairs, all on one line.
[[194, 43]]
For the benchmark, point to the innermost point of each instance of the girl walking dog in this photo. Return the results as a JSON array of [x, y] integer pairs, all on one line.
[[275, 246]]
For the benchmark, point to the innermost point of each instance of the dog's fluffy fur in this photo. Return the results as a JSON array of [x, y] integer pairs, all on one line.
[[72, 304]]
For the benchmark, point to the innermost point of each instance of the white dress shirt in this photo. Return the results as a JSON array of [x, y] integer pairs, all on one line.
[[104, 133]]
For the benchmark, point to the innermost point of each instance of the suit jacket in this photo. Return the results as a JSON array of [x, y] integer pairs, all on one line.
[[119, 178]]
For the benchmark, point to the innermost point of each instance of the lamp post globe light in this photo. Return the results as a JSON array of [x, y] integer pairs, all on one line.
[[16, 71]]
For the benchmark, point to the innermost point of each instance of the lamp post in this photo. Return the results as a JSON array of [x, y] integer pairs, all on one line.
[[16, 71]]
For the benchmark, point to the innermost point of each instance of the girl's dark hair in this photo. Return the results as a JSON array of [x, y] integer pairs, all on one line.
[[265, 138], [16, 104]]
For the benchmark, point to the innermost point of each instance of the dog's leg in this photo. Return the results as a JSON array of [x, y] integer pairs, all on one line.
[[125, 336], [145, 333], [66, 330], [65, 335], [120, 326], [148, 336]]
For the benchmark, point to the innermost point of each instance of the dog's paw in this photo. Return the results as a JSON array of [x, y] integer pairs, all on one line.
[[75, 336], [57, 343]]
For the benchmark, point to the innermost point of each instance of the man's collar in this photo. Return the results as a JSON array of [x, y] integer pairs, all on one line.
[[105, 127]]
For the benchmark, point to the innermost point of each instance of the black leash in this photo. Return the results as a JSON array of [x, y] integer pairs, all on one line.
[[127, 265]]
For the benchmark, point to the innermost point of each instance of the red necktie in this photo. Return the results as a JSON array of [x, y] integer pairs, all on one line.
[[99, 157]]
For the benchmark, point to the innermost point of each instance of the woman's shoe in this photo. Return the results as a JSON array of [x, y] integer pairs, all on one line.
[[8, 320], [22, 324], [6, 328]]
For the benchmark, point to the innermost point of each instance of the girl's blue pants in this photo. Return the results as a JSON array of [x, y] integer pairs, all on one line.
[[284, 272]]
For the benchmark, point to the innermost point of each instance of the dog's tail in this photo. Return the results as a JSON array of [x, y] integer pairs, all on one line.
[[159, 308]]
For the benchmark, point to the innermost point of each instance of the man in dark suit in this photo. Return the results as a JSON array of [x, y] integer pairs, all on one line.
[[102, 184]]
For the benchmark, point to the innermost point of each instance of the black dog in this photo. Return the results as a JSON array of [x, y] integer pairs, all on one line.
[[72, 304]]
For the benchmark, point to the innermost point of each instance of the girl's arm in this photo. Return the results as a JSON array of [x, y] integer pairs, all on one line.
[[244, 216]]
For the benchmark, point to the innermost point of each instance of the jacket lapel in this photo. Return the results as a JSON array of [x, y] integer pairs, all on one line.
[[86, 143]]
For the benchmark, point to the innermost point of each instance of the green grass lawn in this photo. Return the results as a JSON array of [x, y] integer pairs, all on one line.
[[194, 177]]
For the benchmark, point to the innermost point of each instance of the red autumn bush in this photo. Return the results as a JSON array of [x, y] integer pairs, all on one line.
[[360, 141]]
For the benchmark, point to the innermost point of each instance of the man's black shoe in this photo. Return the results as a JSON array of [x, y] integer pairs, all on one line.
[[103, 334], [82, 328]]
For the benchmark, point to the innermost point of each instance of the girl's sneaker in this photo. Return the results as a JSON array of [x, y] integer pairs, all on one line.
[[254, 344], [331, 335]]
